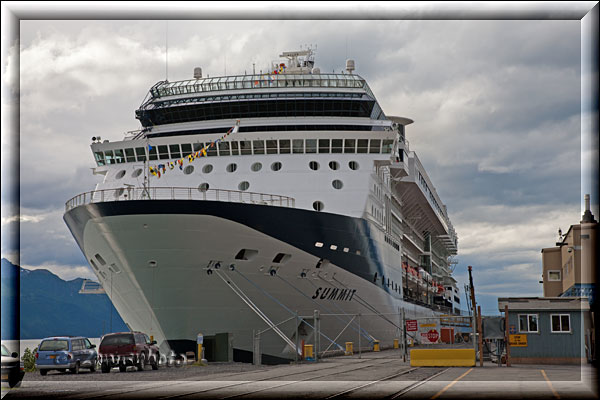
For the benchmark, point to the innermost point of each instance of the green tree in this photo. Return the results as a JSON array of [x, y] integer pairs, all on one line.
[[29, 360]]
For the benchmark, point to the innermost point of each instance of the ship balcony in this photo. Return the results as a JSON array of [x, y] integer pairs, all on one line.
[[398, 168], [178, 193]]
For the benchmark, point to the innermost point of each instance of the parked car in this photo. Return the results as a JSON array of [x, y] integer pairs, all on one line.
[[66, 353], [12, 370], [127, 349]]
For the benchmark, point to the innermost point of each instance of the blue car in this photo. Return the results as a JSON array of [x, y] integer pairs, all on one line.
[[63, 353]]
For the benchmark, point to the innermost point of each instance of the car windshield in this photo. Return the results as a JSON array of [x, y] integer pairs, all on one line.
[[117, 339], [54, 345], [5, 351]]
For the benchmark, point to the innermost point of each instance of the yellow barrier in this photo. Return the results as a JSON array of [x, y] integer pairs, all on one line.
[[396, 345], [308, 352], [349, 348], [376, 345], [442, 357]]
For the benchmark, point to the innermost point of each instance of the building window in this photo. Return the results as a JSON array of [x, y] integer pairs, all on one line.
[[554, 275], [528, 323], [560, 322]]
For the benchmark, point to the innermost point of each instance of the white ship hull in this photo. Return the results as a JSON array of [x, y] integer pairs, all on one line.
[[154, 258]]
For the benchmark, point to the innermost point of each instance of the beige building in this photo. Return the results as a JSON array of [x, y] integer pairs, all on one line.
[[569, 268]]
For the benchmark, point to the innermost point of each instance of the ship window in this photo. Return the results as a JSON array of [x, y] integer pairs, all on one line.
[[311, 146], [276, 166], [337, 184], [349, 146], [334, 165], [196, 146], [141, 153], [129, 155], [336, 145], [235, 151], [188, 170], [224, 149], [212, 150], [281, 258], [163, 152], [137, 173], [207, 169], [231, 167], [353, 165], [246, 254], [99, 158], [318, 244], [271, 146], [246, 147], [203, 187], [346, 249], [120, 174], [186, 149], [284, 146], [100, 259], [333, 247], [119, 158], [298, 146], [375, 146], [387, 146], [258, 146], [313, 165], [256, 167], [318, 206], [323, 145], [93, 264], [243, 185], [363, 145], [109, 157], [152, 153], [174, 149]]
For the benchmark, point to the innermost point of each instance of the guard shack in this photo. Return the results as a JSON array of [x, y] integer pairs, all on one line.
[[547, 330]]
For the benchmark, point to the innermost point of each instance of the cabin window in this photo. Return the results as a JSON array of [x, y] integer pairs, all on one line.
[[337, 184], [235, 151], [163, 152], [174, 149], [276, 166], [203, 187], [129, 155], [363, 145], [256, 167], [375, 146], [120, 174], [323, 145], [243, 185], [298, 146], [528, 323], [196, 146], [560, 322], [141, 153], [349, 146], [246, 147], [387, 146], [186, 149], [258, 146], [271, 146], [137, 173], [99, 158], [334, 165], [212, 150], [224, 149], [284, 146], [313, 165], [353, 165], [311, 146], [318, 206], [336, 145], [119, 158], [110, 158], [231, 167], [207, 169], [188, 170]]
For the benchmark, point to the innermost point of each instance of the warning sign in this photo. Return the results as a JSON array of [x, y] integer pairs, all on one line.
[[512, 329], [517, 340], [431, 336], [411, 325]]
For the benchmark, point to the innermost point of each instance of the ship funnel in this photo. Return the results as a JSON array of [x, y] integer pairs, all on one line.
[[587, 217], [350, 66], [197, 73]]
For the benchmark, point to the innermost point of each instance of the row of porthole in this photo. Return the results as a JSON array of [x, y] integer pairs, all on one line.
[[276, 166], [245, 185], [334, 247]]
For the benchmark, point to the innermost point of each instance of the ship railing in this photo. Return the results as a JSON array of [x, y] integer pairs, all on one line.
[[178, 193]]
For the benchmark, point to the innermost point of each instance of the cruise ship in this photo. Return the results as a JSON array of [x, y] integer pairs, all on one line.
[[259, 204]]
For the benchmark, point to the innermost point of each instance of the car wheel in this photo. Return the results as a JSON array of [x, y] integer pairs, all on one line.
[[75, 370], [105, 368], [93, 366], [154, 362], [141, 362], [43, 372], [12, 382], [123, 368]]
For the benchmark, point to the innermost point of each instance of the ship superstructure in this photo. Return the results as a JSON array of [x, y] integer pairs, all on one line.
[[313, 201]]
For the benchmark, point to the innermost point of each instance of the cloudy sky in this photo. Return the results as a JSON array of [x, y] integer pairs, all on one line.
[[496, 106]]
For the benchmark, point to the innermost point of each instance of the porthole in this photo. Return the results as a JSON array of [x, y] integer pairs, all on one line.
[[318, 206], [188, 170], [137, 173], [313, 165], [337, 184], [243, 186], [276, 166], [231, 167], [334, 165], [353, 165], [203, 187], [207, 169], [256, 167], [120, 174]]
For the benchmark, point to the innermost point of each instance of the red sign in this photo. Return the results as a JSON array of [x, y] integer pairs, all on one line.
[[433, 336], [411, 325]]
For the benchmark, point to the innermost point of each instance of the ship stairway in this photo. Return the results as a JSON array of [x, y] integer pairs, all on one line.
[[91, 287], [240, 293]]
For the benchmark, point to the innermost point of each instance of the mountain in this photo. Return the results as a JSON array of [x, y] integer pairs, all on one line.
[[50, 306]]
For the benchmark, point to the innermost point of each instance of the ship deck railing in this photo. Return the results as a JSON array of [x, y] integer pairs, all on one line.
[[178, 193]]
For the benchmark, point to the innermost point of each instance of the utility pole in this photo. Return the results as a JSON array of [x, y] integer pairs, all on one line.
[[474, 308]]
